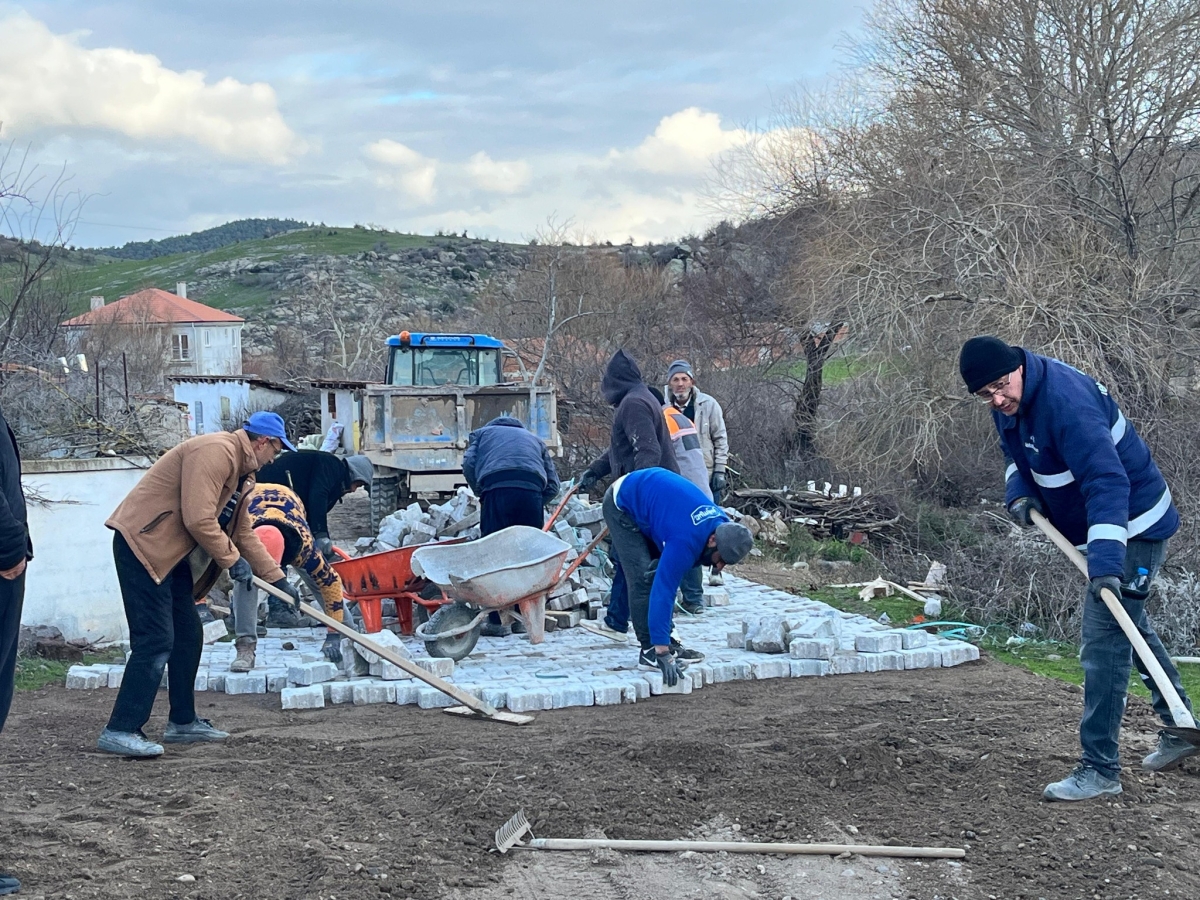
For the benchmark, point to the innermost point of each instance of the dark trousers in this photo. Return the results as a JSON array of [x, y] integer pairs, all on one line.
[[634, 559], [1107, 658], [692, 585], [502, 507], [164, 630], [12, 597], [505, 506]]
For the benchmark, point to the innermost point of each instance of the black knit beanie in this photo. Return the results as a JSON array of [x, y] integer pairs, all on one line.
[[985, 359]]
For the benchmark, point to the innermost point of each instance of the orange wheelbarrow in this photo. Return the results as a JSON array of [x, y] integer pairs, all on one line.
[[367, 580]]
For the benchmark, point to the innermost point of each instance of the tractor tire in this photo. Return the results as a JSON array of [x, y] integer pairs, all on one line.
[[452, 615], [385, 498]]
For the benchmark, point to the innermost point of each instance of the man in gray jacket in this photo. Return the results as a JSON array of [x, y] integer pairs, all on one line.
[[705, 412]]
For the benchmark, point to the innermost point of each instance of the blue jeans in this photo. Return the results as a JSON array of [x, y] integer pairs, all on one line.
[[692, 586], [1107, 658]]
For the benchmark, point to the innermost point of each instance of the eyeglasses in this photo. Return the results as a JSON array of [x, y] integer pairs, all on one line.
[[989, 393]]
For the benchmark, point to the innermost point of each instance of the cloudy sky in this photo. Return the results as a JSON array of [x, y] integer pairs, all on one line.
[[485, 116]]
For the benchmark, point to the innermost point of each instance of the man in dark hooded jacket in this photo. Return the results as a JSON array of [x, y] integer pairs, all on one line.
[[640, 440]]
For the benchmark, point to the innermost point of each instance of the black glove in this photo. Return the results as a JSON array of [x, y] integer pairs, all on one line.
[[1112, 582], [332, 648], [669, 666], [717, 483], [1019, 510], [587, 481], [325, 546], [288, 588], [241, 573]]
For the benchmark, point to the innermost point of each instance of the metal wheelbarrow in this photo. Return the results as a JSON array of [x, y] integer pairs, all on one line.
[[511, 572]]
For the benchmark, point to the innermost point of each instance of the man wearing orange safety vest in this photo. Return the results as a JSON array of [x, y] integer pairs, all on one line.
[[685, 440]]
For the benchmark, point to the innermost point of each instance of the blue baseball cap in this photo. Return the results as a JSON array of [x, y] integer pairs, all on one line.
[[268, 424]]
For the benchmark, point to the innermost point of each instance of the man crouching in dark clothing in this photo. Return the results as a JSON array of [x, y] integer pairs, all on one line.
[[509, 468]]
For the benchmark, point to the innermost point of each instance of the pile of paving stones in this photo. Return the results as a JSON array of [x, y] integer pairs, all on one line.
[[801, 638]]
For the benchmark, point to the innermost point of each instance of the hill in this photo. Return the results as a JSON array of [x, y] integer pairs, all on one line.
[[209, 239]]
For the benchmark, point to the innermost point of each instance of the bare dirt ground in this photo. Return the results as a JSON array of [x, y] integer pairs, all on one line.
[[324, 804], [360, 802]]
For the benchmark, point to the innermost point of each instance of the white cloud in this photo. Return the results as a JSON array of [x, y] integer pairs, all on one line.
[[498, 176], [684, 142], [51, 82], [404, 168]]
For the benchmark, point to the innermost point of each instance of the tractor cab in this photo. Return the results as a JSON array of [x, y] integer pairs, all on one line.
[[432, 360]]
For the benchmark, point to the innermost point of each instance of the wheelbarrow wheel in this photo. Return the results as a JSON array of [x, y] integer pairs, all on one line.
[[449, 617]]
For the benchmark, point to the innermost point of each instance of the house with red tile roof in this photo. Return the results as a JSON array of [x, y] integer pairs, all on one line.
[[198, 339]]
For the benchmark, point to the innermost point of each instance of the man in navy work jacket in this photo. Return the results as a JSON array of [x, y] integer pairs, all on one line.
[[662, 526], [1072, 456]]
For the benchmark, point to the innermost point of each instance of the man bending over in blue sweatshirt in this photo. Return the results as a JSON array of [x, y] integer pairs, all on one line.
[[662, 526]]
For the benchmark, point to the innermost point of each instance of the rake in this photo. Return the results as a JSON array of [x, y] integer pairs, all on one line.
[[509, 836]]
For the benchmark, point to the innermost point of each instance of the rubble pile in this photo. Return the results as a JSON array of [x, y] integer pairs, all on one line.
[[828, 512], [456, 518]]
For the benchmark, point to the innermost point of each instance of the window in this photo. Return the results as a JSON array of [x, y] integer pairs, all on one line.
[[237, 336], [226, 412], [180, 352], [331, 403], [207, 337], [199, 417]]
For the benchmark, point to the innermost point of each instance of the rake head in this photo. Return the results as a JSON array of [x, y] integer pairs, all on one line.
[[510, 833]]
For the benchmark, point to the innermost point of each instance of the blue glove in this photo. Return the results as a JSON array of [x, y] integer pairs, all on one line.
[[1112, 582], [241, 573]]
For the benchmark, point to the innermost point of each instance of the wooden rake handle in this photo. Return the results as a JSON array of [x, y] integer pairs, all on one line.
[[1179, 712]]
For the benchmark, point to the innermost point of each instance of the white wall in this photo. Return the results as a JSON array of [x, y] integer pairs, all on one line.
[[222, 355], [192, 393], [71, 582]]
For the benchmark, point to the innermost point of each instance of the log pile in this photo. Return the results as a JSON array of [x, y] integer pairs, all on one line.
[[828, 513]]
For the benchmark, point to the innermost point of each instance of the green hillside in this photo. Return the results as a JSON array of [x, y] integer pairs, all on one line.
[[96, 274]]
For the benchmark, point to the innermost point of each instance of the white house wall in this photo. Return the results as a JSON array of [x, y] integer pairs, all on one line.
[[71, 582], [204, 404], [221, 355]]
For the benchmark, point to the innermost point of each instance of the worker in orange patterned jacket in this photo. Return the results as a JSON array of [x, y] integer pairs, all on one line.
[[278, 506]]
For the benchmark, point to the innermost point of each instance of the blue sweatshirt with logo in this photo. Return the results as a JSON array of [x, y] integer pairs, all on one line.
[[1070, 446], [678, 519]]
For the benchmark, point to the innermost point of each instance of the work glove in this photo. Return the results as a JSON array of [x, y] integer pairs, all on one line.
[[325, 546], [288, 588], [718, 484], [1019, 510], [669, 666], [332, 648], [241, 573], [587, 481], [1112, 582]]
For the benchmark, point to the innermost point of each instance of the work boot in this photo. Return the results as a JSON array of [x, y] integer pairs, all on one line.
[[1082, 784], [195, 732], [244, 661], [133, 744], [1171, 751], [284, 615], [491, 629], [9, 884], [715, 579]]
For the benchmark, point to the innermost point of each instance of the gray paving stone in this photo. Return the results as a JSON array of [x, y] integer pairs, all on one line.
[[769, 634], [343, 691], [736, 640], [812, 648], [529, 699], [367, 692], [443, 668], [958, 653], [771, 668], [311, 697], [276, 682], [406, 692], [914, 638], [879, 642], [86, 678], [844, 663], [246, 683], [384, 638], [566, 695], [432, 698], [608, 693], [921, 658], [802, 668], [216, 680], [116, 674], [312, 673]]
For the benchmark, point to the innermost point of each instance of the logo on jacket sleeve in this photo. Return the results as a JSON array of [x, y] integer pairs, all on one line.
[[705, 512]]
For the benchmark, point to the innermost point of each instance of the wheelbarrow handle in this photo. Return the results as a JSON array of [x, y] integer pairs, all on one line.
[[567, 496], [1179, 712]]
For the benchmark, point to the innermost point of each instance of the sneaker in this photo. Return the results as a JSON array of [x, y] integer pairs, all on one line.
[[199, 731], [685, 654], [8, 884], [602, 628], [691, 608], [716, 579], [133, 744], [1171, 751], [244, 661], [1082, 784]]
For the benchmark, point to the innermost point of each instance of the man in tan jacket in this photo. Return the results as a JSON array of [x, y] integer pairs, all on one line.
[[192, 499]]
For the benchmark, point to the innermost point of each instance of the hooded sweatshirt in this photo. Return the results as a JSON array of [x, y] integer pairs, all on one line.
[[640, 439]]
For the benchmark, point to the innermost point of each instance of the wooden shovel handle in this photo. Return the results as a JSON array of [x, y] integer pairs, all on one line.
[[1179, 712], [741, 847]]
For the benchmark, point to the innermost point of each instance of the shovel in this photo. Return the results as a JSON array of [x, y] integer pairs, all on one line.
[[1185, 725], [471, 705]]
